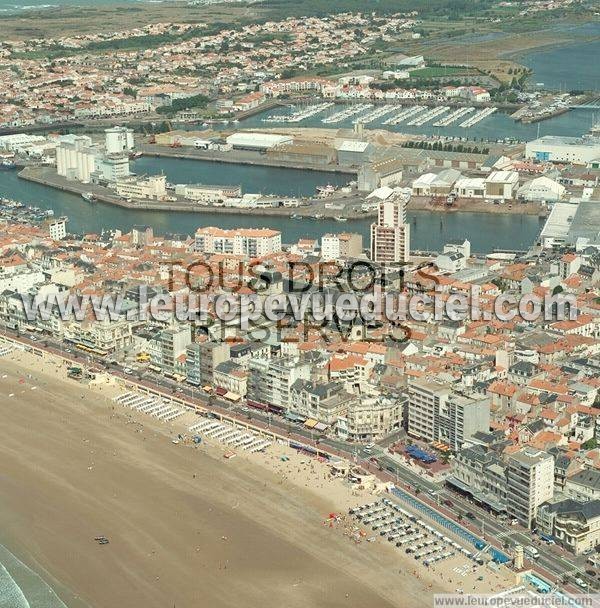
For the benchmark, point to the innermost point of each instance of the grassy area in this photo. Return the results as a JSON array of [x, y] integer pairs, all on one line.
[[437, 72]]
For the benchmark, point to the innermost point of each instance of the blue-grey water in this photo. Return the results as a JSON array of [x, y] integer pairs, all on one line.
[[498, 126], [252, 178], [568, 67], [21, 587], [429, 230]]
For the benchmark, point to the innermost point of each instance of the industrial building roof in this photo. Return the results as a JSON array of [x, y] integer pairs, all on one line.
[[586, 221], [350, 145]]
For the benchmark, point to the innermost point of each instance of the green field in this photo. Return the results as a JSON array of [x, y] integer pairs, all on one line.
[[437, 72]]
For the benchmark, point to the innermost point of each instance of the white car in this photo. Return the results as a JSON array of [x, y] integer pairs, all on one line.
[[128, 371]]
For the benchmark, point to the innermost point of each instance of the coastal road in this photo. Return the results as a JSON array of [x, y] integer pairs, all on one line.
[[554, 563]]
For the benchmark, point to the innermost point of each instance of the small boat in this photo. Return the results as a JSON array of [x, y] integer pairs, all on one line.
[[50, 212], [7, 165], [339, 218], [90, 197], [325, 190], [317, 216], [135, 155]]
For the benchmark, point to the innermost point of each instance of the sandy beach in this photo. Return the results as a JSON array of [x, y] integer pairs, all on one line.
[[185, 526]]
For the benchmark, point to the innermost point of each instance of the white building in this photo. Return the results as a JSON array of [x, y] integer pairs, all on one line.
[[257, 141], [390, 236], [58, 228], [119, 140], [470, 187], [575, 525], [530, 482], [541, 189], [76, 159], [501, 185], [207, 194], [436, 413], [252, 242], [111, 168], [560, 149], [344, 245], [153, 187]]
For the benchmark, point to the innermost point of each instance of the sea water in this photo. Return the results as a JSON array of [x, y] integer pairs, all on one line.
[[21, 587]]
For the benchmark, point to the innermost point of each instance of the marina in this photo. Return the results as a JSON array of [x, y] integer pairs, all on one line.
[[427, 116], [497, 126], [346, 113], [478, 117], [453, 117], [300, 115]]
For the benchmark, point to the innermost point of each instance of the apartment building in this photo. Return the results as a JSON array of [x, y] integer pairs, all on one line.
[[583, 485], [252, 242], [271, 380], [530, 482], [174, 342], [343, 245], [480, 473], [390, 236], [231, 378], [436, 413], [323, 402], [58, 228], [575, 525], [202, 359]]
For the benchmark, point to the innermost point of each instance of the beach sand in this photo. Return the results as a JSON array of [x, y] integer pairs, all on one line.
[[185, 527]]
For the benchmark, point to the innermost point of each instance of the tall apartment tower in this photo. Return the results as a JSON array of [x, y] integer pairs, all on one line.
[[530, 482], [390, 236]]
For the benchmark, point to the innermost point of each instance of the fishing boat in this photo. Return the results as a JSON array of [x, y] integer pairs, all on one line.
[[90, 197]]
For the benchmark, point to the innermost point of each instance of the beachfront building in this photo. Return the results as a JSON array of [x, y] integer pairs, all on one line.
[[271, 380], [575, 525], [344, 245], [202, 359], [481, 473], [320, 401], [530, 479], [230, 378], [437, 413], [390, 236], [174, 342], [251, 242], [370, 418]]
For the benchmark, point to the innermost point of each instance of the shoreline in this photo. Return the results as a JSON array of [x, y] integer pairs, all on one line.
[[296, 497]]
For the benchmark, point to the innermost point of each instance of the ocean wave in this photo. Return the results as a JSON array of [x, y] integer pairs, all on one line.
[[11, 595], [21, 587]]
